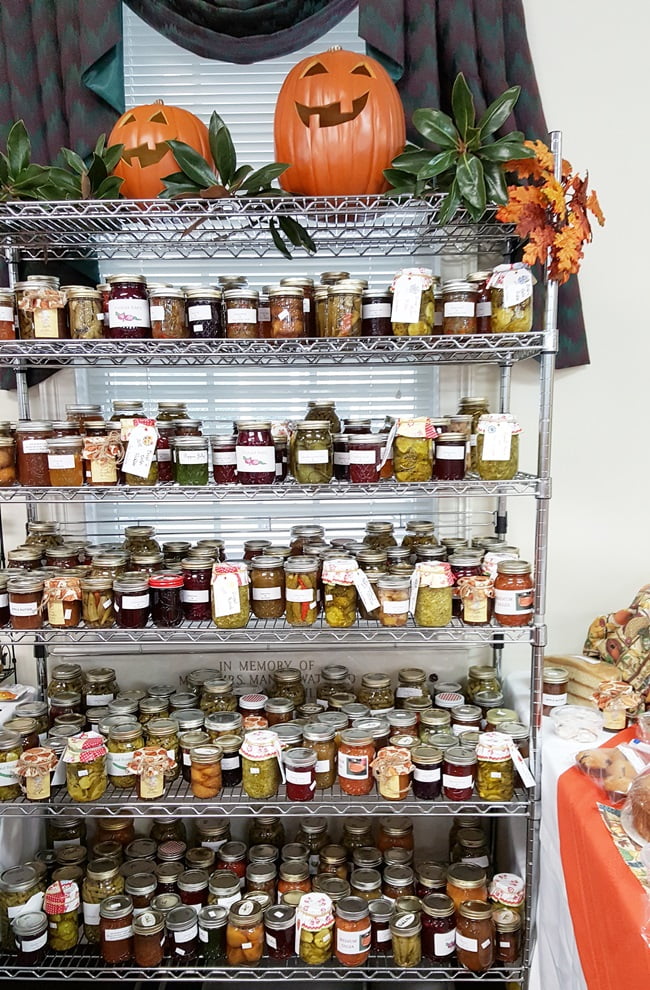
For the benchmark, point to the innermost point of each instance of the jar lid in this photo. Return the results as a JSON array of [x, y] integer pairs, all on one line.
[[245, 914], [297, 565], [206, 754], [9, 740], [220, 721], [339, 700], [295, 870], [435, 717], [334, 887], [150, 922], [448, 699], [85, 748], [116, 906], [365, 878], [466, 875], [299, 757], [253, 702], [397, 875], [260, 873], [405, 925], [193, 880], [294, 292], [356, 737], [218, 685], [432, 875], [266, 562], [223, 882], [203, 292], [493, 747], [335, 720], [24, 585], [141, 849], [213, 916], [421, 526], [248, 294], [279, 917], [354, 710], [396, 584], [148, 705], [189, 718], [61, 896], [366, 439], [33, 426], [141, 884], [488, 698], [263, 852], [169, 872], [426, 755], [381, 910], [465, 713], [232, 852], [438, 905], [507, 888], [396, 825], [555, 675], [352, 908], [457, 285], [197, 564], [453, 438], [302, 281], [375, 681], [475, 910], [506, 920], [279, 706], [516, 730], [228, 744], [165, 902], [252, 424], [125, 732], [513, 567], [462, 756], [32, 923], [173, 850], [334, 854], [212, 826], [366, 858], [181, 919]]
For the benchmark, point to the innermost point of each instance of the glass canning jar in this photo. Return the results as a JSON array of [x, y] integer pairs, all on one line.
[[41, 309], [128, 308], [267, 580], [341, 456], [365, 452], [224, 888], [244, 934], [193, 888], [301, 590], [507, 924], [217, 696], [306, 285], [466, 881], [475, 933], [312, 452], [116, 929], [190, 457], [459, 307], [241, 313], [313, 833], [418, 533], [167, 313], [416, 319], [224, 459], [195, 594], [393, 594], [7, 315], [352, 938], [471, 846], [287, 683], [375, 314], [32, 467], [480, 282], [163, 733], [30, 935], [321, 739], [166, 605], [333, 678], [438, 927], [213, 919], [85, 316], [398, 881], [430, 878], [511, 295], [300, 773], [497, 447], [279, 711], [495, 769], [514, 594], [357, 832], [203, 311], [266, 829], [131, 602], [123, 740], [10, 749], [205, 771], [260, 768], [255, 452], [7, 454], [411, 683], [427, 764], [286, 311], [449, 457], [64, 462], [355, 752], [279, 931], [344, 309], [183, 933], [294, 875], [376, 692]]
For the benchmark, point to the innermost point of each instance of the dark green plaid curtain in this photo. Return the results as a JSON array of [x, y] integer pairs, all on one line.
[[424, 44], [242, 31], [61, 72]]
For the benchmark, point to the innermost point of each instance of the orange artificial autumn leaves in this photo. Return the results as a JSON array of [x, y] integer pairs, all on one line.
[[552, 215]]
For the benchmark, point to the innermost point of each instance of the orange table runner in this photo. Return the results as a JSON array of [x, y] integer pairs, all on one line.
[[607, 903]]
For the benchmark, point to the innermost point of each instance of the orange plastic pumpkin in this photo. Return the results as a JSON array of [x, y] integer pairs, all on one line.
[[146, 159], [339, 122]]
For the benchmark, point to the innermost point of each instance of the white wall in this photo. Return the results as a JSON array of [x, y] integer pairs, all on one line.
[[591, 72]]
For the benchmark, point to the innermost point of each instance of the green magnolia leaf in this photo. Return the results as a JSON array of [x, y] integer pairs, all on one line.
[[216, 122], [498, 112], [505, 150], [109, 188], [462, 103], [411, 161], [263, 177], [471, 183], [239, 177], [450, 205], [112, 156], [100, 145], [4, 169], [193, 164], [439, 163], [277, 239], [296, 233], [73, 161], [97, 171], [473, 139], [399, 180], [496, 187], [224, 154], [436, 127], [19, 149], [176, 188], [33, 175]]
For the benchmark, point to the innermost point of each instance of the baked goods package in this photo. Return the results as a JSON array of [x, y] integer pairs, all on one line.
[[616, 769]]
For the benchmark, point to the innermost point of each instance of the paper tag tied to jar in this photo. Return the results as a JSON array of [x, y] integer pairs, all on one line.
[[408, 286], [141, 448], [516, 282], [226, 582], [498, 430]]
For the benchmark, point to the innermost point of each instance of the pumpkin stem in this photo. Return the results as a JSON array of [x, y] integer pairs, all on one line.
[[335, 48], [162, 102]]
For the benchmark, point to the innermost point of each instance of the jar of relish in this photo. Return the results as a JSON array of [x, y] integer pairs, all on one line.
[[255, 452]]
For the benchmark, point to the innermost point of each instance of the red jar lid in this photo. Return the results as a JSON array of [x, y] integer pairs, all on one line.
[[166, 581]]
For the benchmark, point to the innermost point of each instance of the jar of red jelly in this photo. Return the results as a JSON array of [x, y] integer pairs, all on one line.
[[438, 927], [365, 455], [427, 761], [463, 563], [280, 931], [430, 878], [449, 458], [192, 886], [300, 770], [255, 452], [341, 444], [128, 308], [166, 607], [231, 856], [163, 451], [195, 595], [281, 445], [458, 773], [224, 459], [131, 602]]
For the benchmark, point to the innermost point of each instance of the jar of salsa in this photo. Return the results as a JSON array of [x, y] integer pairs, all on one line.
[[224, 459], [128, 308], [355, 753], [352, 933], [32, 464], [255, 452], [131, 602], [458, 773], [300, 772], [294, 875], [438, 927], [365, 456], [195, 594], [514, 594]]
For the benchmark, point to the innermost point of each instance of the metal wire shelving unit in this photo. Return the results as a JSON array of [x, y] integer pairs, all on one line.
[[365, 226]]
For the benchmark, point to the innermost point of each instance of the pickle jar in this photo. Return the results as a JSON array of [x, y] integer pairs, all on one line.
[[19, 885], [260, 768], [481, 677], [244, 934], [217, 696], [511, 298], [315, 923], [406, 940], [475, 932], [61, 906], [333, 678], [375, 692], [339, 590], [497, 447], [85, 766], [301, 590], [495, 769], [321, 739], [163, 734], [413, 309], [267, 580], [312, 453], [287, 683], [230, 595], [100, 687], [123, 741], [344, 309], [10, 749]]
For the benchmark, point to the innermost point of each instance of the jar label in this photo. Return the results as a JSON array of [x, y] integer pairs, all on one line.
[[4, 600], [23, 608], [32, 944], [306, 304], [46, 323], [395, 608], [362, 457], [437, 318], [6, 314], [189, 933], [483, 861], [194, 597], [58, 777], [300, 594], [313, 456], [323, 766], [497, 441], [447, 452], [300, 777], [271, 941], [469, 944], [365, 590], [102, 472], [382, 935], [484, 309], [225, 596], [135, 601], [230, 763], [60, 843], [353, 766], [517, 286], [373, 311], [513, 602], [224, 457], [475, 611], [406, 300], [459, 309], [242, 316], [444, 943], [554, 700], [408, 692], [266, 594], [229, 900], [457, 783], [216, 845], [426, 774], [342, 457], [34, 446], [380, 711], [485, 943], [8, 773], [203, 934], [35, 903], [192, 457], [352, 943], [117, 934], [187, 762], [163, 455], [128, 313], [55, 613], [459, 728], [60, 462], [199, 311], [116, 764], [255, 460], [283, 315], [157, 313], [264, 314]]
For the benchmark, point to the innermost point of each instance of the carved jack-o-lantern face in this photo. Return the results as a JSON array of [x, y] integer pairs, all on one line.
[[339, 122], [146, 159]]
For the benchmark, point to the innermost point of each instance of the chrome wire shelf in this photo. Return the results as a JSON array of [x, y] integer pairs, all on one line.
[[199, 228], [234, 802], [502, 349], [83, 963], [287, 491], [270, 633]]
